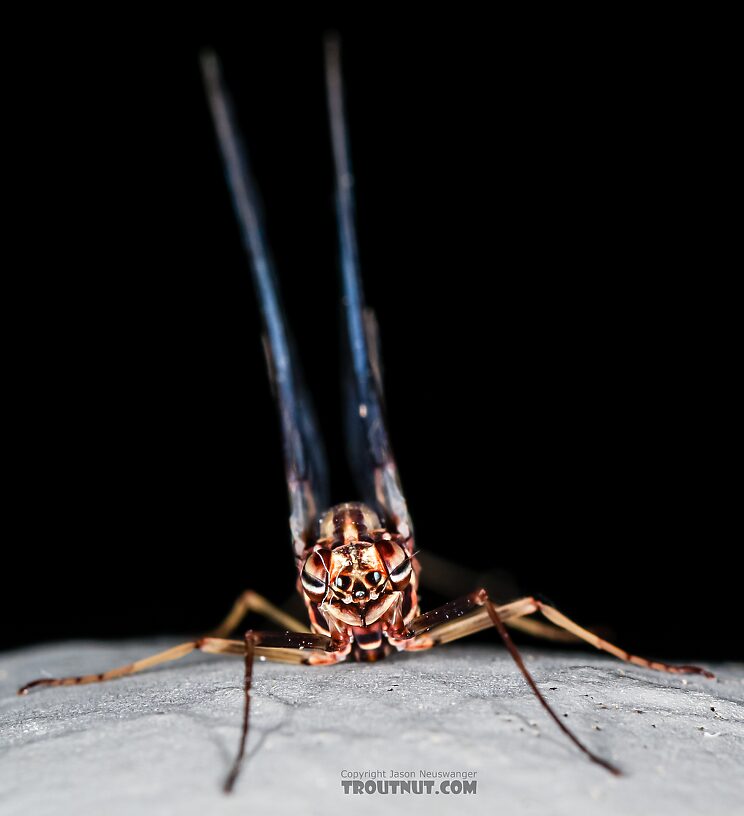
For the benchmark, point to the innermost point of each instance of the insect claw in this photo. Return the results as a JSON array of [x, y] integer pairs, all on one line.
[[698, 670]]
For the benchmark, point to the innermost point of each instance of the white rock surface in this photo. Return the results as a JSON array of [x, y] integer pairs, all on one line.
[[161, 742]]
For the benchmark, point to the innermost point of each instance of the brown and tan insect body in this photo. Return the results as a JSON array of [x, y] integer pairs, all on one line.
[[359, 582]]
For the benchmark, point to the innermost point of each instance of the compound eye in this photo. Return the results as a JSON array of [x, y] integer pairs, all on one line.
[[401, 571], [342, 582], [397, 562], [314, 576]]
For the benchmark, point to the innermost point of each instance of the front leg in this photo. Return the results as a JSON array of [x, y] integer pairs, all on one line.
[[399, 634], [286, 647], [471, 613], [476, 611]]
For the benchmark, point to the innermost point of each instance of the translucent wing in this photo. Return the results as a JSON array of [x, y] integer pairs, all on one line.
[[303, 451], [367, 437]]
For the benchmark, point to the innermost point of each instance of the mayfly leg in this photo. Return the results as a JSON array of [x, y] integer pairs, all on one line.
[[283, 647], [475, 612], [517, 657], [450, 579], [286, 647], [207, 644], [250, 601], [468, 615]]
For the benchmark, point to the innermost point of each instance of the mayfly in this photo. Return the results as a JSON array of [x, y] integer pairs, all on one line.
[[357, 570]]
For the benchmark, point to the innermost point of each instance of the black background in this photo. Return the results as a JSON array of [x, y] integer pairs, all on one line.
[[535, 236]]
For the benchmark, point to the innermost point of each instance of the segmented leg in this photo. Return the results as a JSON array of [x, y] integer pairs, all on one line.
[[299, 647], [467, 615], [284, 647], [251, 601], [559, 619], [451, 579], [476, 611], [211, 645], [514, 652], [307, 648], [544, 631], [460, 618]]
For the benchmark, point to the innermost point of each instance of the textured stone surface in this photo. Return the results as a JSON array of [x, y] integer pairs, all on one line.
[[161, 742]]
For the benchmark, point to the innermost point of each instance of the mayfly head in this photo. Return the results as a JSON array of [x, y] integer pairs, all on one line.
[[356, 582]]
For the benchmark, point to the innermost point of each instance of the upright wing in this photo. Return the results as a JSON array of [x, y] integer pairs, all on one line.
[[367, 437], [303, 451]]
